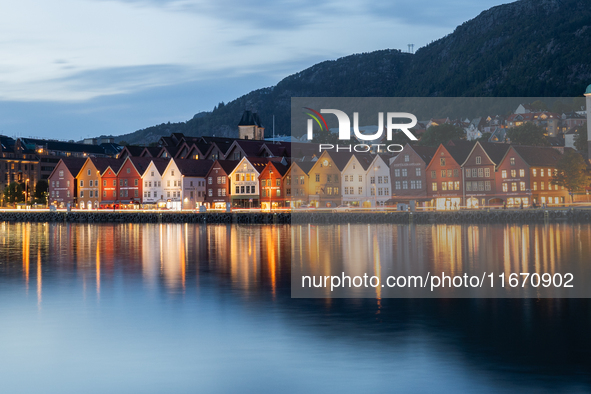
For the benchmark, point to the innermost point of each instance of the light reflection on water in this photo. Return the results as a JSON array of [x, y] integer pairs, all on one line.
[[186, 308]]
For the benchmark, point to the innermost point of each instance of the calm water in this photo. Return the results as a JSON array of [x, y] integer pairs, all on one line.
[[187, 308]]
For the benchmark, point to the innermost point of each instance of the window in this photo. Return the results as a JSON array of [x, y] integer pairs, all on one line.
[[404, 172], [360, 178], [397, 185], [474, 172], [534, 172], [114, 182], [513, 186], [521, 173], [443, 186], [152, 174], [386, 179], [456, 185], [61, 173], [372, 180], [242, 189], [81, 192], [487, 172], [129, 170], [90, 183], [468, 173], [277, 182], [480, 186], [88, 172], [434, 186], [90, 194], [480, 172], [418, 171], [360, 189], [542, 185], [504, 174], [405, 185], [522, 186], [278, 192], [104, 182], [443, 173], [380, 179], [433, 174], [413, 185], [317, 177], [450, 185], [535, 185], [513, 173], [171, 172], [81, 184], [505, 186], [264, 183], [328, 178], [442, 161], [512, 161], [541, 172], [406, 158], [210, 192], [104, 193], [487, 185], [396, 172], [478, 160], [237, 189], [135, 182], [468, 186], [387, 191], [456, 172]]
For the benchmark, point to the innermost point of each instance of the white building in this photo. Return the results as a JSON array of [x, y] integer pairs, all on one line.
[[193, 173], [153, 192], [244, 182], [172, 186], [354, 182], [378, 182]]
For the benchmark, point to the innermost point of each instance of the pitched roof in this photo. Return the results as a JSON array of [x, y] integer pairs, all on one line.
[[133, 150], [74, 164], [460, 150], [365, 159], [495, 151], [340, 158], [306, 166], [160, 163], [102, 163], [192, 167], [227, 165], [538, 155], [426, 153], [141, 164], [280, 167]]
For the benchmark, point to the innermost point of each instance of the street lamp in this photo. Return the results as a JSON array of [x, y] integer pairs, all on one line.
[[26, 192]]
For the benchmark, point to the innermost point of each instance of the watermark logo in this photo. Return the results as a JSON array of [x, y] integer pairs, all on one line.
[[345, 124]]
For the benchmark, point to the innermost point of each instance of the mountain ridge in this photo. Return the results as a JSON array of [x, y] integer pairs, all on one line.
[[528, 48]]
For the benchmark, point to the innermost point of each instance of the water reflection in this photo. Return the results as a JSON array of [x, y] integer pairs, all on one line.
[[222, 294], [384, 250]]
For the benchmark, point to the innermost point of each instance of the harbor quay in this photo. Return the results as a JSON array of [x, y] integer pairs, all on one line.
[[572, 215]]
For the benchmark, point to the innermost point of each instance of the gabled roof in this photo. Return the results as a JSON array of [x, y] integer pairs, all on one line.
[[494, 151], [141, 164], [192, 167], [460, 150], [305, 166], [280, 167], [259, 163], [227, 165], [365, 159], [426, 153], [250, 148], [538, 156], [151, 151], [102, 163], [160, 163], [132, 150], [73, 164], [340, 158]]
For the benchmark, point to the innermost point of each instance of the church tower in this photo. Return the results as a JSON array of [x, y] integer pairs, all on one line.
[[250, 127]]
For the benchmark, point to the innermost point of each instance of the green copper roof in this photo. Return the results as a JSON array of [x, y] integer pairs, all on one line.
[[588, 91]]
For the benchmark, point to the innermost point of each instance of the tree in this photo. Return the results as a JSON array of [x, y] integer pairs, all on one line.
[[539, 105], [14, 193], [581, 139], [571, 172], [528, 134], [41, 191], [442, 134], [123, 143]]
